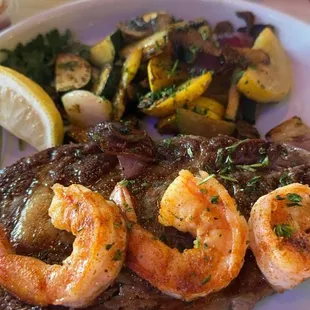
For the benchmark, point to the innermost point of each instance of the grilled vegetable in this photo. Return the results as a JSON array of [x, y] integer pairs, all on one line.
[[293, 131], [207, 107], [119, 103], [131, 67], [233, 103], [71, 72], [166, 102], [167, 125], [150, 46], [86, 109], [191, 123], [129, 71], [105, 51], [163, 72], [268, 83], [108, 80], [143, 26]]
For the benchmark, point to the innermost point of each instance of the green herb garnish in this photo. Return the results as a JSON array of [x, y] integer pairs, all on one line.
[[173, 71], [284, 230], [189, 152], [224, 177], [253, 181], [294, 199], [214, 199], [197, 243], [278, 197], [36, 59], [285, 179], [118, 255], [206, 280], [124, 182], [109, 246], [206, 179]]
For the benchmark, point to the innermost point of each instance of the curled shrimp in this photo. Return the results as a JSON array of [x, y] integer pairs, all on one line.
[[202, 207], [279, 235], [96, 259]]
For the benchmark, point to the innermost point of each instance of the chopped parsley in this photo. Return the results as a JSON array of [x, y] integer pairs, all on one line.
[[214, 199], [129, 225], [118, 256], [253, 181], [197, 243], [278, 197], [124, 183], [294, 199], [206, 179], [109, 246], [227, 178], [189, 152], [173, 71], [285, 179], [206, 280], [283, 230]]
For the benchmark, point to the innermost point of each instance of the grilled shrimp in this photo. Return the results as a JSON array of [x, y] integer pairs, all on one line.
[[202, 207], [279, 235], [96, 259]]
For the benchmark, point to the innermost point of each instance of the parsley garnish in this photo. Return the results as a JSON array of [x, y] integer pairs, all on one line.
[[253, 181], [118, 255], [109, 246], [224, 177], [189, 152], [124, 182], [36, 59], [174, 68], [197, 243], [206, 179], [278, 197], [206, 280], [285, 179], [215, 199], [283, 230], [294, 199]]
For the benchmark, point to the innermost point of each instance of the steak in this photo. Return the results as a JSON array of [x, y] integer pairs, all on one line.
[[25, 197]]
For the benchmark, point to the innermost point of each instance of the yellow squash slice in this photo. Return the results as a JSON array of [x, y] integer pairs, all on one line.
[[184, 94], [272, 82]]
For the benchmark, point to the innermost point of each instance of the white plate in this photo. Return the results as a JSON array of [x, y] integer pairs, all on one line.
[[91, 20]]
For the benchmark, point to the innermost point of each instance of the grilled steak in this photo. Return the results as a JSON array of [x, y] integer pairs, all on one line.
[[25, 196]]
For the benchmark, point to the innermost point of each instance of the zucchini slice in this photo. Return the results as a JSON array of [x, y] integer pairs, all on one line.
[[172, 99], [86, 109], [129, 71], [119, 104], [106, 50], [191, 123], [71, 72], [107, 82], [150, 46], [233, 103]]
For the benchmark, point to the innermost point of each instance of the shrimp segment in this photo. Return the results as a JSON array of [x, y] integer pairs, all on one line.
[[96, 259], [279, 235], [207, 212]]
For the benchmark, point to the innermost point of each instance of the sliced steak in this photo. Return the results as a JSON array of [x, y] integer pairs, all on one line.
[[25, 196]]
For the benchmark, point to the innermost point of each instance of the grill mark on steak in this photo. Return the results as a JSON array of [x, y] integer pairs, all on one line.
[[86, 164]]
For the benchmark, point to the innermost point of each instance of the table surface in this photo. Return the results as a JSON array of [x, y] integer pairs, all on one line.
[[26, 8]]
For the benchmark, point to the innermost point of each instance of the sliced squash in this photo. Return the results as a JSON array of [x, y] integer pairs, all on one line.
[[208, 107], [86, 109], [131, 67], [191, 123], [268, 83], [108, 80], [71, 72], [150, 46], [105, 51], [233, 103], [182, 95], [167, 125], [163, 71]]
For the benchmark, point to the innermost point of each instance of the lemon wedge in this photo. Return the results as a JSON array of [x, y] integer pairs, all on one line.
[[28, 112], [272, 82]]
